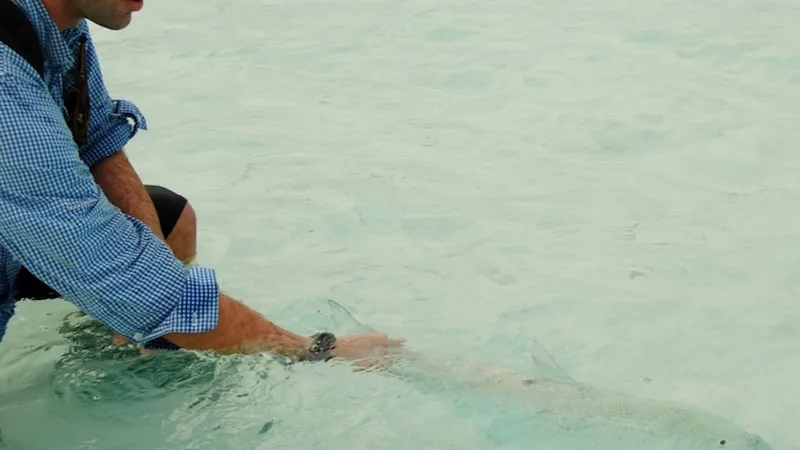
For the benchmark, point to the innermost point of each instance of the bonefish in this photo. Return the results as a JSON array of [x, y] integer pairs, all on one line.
[[571, 415]]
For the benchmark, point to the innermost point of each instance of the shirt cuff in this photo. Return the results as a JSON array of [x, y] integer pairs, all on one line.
[[115, 133], [196, 312]]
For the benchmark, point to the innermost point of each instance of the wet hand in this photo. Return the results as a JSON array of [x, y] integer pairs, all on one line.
[[358, 346]]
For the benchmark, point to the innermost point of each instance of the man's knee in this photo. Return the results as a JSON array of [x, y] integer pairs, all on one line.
[[183, 238], [178, 221]]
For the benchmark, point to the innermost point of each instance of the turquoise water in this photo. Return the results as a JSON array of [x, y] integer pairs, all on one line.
[[608, 178]]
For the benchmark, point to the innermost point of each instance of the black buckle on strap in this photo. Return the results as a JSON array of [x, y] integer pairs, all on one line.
[[76, 100]]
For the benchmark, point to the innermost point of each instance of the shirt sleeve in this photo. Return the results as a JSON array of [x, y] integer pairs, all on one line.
[[112, 123], [57, 222]]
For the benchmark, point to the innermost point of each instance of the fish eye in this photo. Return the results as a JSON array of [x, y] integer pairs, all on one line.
[[723, 442]]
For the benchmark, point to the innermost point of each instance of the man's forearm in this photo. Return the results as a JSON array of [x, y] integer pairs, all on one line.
[[124, 189], [242, 330], [239, 329]]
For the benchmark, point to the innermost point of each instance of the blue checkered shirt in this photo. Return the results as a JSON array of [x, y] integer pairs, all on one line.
[[54, 218]]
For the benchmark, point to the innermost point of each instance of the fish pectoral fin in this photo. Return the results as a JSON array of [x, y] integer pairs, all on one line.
[[545, 366]]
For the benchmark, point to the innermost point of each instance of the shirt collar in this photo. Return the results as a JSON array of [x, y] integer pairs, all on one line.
[[55, 49]]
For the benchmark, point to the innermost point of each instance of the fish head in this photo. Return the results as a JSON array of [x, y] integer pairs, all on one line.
[[732, 441], [708, 431], [745, 441]]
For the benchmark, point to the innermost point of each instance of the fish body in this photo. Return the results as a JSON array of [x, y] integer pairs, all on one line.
[[570, 415], [567, 414]]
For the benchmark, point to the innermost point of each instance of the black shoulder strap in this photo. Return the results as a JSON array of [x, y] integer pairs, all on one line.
[[17, 32]]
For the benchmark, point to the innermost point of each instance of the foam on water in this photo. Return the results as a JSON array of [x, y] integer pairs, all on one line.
[[609, 178]]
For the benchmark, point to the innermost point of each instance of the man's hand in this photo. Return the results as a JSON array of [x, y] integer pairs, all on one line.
[[370, 352], [359, 346]]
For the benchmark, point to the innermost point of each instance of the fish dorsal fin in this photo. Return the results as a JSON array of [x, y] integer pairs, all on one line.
[[545, 366], [344, 322]]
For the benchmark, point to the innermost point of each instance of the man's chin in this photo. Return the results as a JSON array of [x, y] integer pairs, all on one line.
[[114, 25]]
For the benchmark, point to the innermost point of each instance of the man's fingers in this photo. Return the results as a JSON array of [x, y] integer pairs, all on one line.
[[395, 342], [375, 362], [390, 342]]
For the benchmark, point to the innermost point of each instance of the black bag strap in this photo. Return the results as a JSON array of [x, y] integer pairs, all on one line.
[[17, 32]]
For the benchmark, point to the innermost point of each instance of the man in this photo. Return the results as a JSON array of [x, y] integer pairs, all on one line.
[[76, 220]]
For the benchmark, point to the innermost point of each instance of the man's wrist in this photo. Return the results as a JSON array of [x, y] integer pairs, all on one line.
[[320, 347]]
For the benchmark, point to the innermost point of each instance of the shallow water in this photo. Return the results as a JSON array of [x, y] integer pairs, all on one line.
[[607, 178]]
